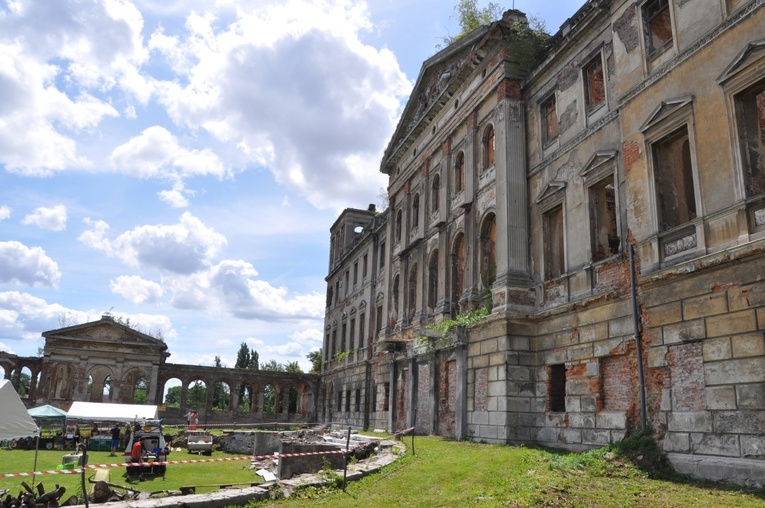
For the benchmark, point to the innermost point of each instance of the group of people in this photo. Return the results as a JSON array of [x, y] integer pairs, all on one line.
[[191, 419]]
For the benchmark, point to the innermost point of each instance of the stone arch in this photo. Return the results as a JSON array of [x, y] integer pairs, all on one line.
[[172, 393], [302, 393], [221, 395], [272, 398], [196, 394], [459, 172], [248, 397], [134, 387], [62, 382], [415, 212], [487, 145], [98, 389]]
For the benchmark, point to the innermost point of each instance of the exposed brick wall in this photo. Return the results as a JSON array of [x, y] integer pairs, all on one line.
[[631, 151], [620, 382]]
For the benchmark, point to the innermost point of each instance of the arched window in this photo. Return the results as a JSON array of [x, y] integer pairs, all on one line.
[[412, 297], [433, 280], [488, 147], [398, 226], [416, 211], [434, 194], [459, 172], [489, 251]]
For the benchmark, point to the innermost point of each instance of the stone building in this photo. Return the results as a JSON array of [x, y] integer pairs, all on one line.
[[524, 181]]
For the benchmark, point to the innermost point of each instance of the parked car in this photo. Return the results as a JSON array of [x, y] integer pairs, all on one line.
[[155, 450]]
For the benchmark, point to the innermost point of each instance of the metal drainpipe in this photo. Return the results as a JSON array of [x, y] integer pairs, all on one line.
[[638, 345]]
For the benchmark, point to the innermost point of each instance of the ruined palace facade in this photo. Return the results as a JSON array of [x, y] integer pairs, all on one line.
[[524, 183]]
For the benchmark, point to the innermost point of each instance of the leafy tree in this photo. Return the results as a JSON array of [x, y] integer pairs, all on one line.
[[293, 367], [274, 366], [315, 357], [173, 397], [24, 381], [470, 17], [139, 395], [197, 395]]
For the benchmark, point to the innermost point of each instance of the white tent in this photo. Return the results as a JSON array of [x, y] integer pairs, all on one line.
[[15, 421], [111, 412]]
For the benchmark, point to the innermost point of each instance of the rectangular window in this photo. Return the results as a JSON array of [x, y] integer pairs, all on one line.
[[553, 243], [549, 120], [605, 239], [750, 113], [594, 84], [347, 282], [357, 400], [379, 318], [362, 339], [355, 273], [334, 344], [657, 25], [674, 179], [382, 255], [343, 337], [352, 341], [556, 388], [364, 266], [339, 401], [347, 401]]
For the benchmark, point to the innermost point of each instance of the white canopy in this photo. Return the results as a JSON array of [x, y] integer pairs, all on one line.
[[111, 412], [15, 421]]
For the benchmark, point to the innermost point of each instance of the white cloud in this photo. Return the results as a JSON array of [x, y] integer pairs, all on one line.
[[6, 349], [5, 212], [136, 289], [294, 88], [53, 218], [156, 153], [27, 265], [184, 248], [24, 316]]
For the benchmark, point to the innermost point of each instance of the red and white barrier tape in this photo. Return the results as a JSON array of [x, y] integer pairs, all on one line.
[[199, 461]]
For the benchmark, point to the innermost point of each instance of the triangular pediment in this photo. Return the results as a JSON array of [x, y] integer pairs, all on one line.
[[753, 52], [665, 110], [106, 330], [549, 190], [597, 161]]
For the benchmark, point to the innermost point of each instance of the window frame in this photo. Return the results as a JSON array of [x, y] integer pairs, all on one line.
[[646, 20], [488, 147], [597, 58], [459, 172], [544, 119]]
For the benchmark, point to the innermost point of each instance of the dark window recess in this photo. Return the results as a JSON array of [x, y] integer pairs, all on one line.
[[556, 389], [357, 400], [750, 110], [416, 211], [488, 147], [459, 172], [433, 281], [386, 396], [339, 401], [605, 239], [674, 180], [553, 243], [347, 401], [435, 198], [549, 120], [362, 339], [398, 226], [594, 85], [658, 26]]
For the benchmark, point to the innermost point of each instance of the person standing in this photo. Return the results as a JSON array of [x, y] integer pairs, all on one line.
[[135, 458], [193, 421], [115, 432]]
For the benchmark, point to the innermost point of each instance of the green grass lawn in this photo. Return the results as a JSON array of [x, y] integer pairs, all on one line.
[[177, 475], [447, 473]]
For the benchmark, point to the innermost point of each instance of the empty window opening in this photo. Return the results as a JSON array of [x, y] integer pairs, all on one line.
[[549, 120], [488, 147], [416, 211], [489, 251], [343, 337], [458, 271], [658, 25], [395, 295], [594, 84], [556, 388], [382, 255], [347, 282], [386, 396], [553, 243], [434, 195], [362, 339], [352, 341], [334, 343], [398, 226], [357, 400], [459, 172], [412, 297], [605, 239], [674, 179], [750, 110], [347, 401], [339, 401], [433, 280], [365, 266], [355, 273]]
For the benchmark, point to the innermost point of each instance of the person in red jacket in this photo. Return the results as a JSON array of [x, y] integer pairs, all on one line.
[[135, 458]]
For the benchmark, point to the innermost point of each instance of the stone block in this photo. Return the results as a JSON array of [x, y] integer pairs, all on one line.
[[579, 352], [588, 404], [479, 417], [596, 437], [706, 305], [733, 323], [720, 397], [479, 362], [661, 315], [519, 374], [617, 435], [591, 333], [621, 327], [689, 421], [530, 420], [751, 396], [571, 436], [489, 346], [519, 404], [717, 349], [607, 347], [497, 419], [548, 435], [518, 344], [677, 442], [743, 370], [577, 387], [739, 422], [538, 405], [715, 444], [593, 369], [753, 447], [497, 358], [666, 399], [611, 420], [749, 344], [581, 420], [657, 357], [497, 389], [555, 356], [474, 349], [686, 330], [573, 404], [528, 389]]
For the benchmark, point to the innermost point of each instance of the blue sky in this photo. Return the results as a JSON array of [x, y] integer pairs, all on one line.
[[178, 163]]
